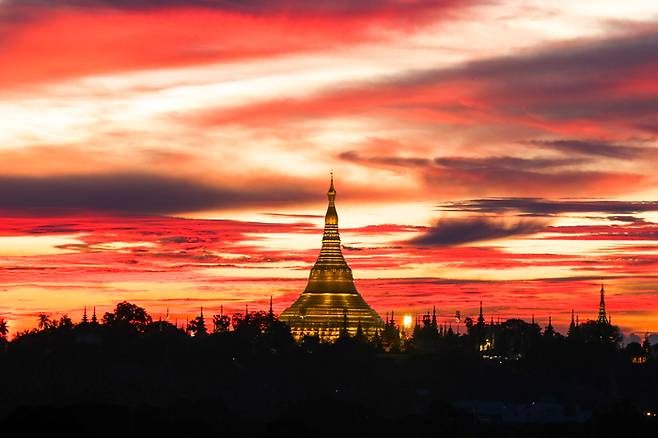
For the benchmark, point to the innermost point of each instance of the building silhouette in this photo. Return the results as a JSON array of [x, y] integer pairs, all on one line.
[[330, 305]]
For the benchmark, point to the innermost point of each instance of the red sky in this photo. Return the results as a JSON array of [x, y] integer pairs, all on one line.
[[176, 154]]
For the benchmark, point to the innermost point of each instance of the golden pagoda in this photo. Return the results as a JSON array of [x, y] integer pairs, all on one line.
[[330, 304]]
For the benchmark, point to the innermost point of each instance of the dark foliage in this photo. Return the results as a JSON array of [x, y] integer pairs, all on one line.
[[130, 376]]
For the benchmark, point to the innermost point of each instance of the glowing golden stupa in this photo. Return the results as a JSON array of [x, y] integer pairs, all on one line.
[[330, 303]]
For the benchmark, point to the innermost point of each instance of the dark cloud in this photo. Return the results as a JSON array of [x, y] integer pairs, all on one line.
[[460, 231], [546, 207], [560, 67], [625, 218], [295, 216], [498, 174], [586, 79], [460, 163], [591, 147], [139, 193], [503, 163], [394, 161], [325, 7]]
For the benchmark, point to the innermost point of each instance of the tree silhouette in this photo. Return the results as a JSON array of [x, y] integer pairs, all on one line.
[[198, 325], [594, 332], [127, 317], [44, 322], [221, 323], [64, 322], [4, 329]]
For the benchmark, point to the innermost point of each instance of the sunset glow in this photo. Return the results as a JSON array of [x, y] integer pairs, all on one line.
[[177, 154]]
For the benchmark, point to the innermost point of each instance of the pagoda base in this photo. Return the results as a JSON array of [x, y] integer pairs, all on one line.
[[328, 314]]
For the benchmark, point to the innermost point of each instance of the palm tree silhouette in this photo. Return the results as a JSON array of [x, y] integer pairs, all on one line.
[[44, 321], [4, 329]]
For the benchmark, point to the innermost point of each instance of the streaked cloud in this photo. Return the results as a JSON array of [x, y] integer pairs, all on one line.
[[469, 230]]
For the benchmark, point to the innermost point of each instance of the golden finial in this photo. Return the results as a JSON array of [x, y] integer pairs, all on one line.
[[331, 186]]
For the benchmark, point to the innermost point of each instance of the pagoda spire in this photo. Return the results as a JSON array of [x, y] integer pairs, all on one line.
[[550, 331], [572, 326], [480, 321], [330, 289], [603, 318], [331, 272]]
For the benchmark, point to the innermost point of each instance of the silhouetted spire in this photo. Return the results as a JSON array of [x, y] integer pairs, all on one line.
[[572, 326], [602, 319], [84, 316], [94, 320], [359, 331], [549, 332], [480, 321]]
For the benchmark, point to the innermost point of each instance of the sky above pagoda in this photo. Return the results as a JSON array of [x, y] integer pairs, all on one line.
[[177, 154]]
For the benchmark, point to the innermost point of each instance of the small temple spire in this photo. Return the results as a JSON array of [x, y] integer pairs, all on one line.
[[94, 320], [572, 325], [602, 318], [84, 316], [480, 321], [550, 331]]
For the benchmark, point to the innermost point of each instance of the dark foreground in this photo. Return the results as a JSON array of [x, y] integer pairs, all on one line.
[[253, 381]]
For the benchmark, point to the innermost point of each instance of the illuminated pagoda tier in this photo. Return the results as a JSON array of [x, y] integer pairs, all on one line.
[[330, 304]]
